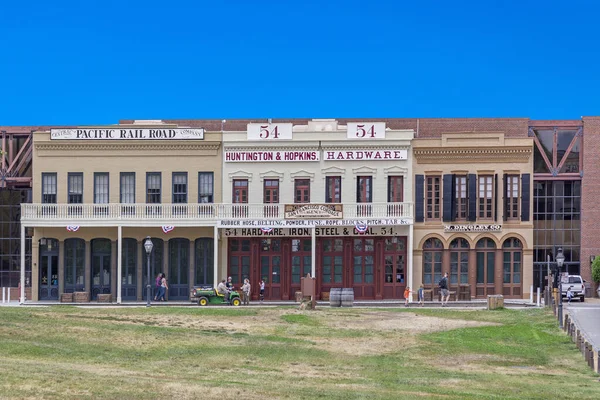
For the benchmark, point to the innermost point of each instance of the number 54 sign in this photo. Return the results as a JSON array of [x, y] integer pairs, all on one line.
[[366, 130], [268, 131]]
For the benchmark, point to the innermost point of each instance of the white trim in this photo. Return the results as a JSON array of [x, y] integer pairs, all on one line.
[[240, 174], [270, 175], [365, 170], [395, 171], [333, 171], [302, 174]]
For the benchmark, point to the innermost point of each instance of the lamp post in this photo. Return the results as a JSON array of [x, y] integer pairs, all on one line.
[[148, 246], [560, 259]]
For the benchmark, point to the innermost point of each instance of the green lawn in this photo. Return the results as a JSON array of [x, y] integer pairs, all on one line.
[[265, 353]]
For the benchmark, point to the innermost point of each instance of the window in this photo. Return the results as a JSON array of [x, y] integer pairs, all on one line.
[[486, 197], [333, 189], [486, 258], [462, 204], [204, 268], [127, 189], [101, 187], [395, 189], [459, 262], [512, 197], [301, 259], [364, 189], [271, 196], [205, 187], [432, 261], [271, 191], [512, 248], [75, 195], [240, 196], [333, 254], [180, 185], [302, 191], [432, 198], [49, 188], [153, 187]]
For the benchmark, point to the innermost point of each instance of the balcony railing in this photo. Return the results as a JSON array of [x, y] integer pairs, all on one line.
[[45, 214]]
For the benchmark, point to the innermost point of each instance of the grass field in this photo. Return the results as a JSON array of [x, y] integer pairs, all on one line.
[[283, 353]]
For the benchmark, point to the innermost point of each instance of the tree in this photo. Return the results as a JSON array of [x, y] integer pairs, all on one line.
[[596, 269]]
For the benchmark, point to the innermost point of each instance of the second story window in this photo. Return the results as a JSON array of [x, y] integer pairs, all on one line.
[[512, 197], [462, 200], [485, 197], [153, 187], [302, 191], [101, 188], [364, 189], [432, 198], [240, 191], [271, 191], [49, 188], [180, 185], [205, 187], [395, 189], [333, 189], [75, 187], [127, 188]]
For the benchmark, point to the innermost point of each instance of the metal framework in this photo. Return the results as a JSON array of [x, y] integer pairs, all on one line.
[[15, 160]]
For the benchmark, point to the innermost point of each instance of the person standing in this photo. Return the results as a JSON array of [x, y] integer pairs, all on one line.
[[158, 285], [163, 288], [421, 295], [444, 289], [246, 292], [406, 295], [262, 290]]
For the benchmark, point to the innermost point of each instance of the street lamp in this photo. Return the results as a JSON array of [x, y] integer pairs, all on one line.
[[148, 246], [560, 259]]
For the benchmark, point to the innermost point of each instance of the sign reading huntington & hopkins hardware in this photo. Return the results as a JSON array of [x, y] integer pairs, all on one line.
[[473, 228], [299, 211], [127, 134]]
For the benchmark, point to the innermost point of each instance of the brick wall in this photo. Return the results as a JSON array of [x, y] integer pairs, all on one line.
[[590, 196]]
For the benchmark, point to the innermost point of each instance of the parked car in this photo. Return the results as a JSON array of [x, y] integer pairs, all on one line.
[[577, 285]]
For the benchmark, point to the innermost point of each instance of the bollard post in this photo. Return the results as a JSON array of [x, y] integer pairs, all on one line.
[[538, 297], [531, 294], [3, 295]]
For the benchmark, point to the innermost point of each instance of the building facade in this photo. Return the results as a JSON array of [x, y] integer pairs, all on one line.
[[322, 197], [473, 207]]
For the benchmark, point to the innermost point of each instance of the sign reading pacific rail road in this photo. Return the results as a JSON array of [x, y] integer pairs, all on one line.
[[127, 134]]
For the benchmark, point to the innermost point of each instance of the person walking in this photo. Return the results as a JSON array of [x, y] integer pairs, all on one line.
[[163, 288], [157, 282], [444, 289], [246, 292], [406, 295]]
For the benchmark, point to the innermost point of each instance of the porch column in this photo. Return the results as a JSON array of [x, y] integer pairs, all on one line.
[[119, 261], [22, 294], [313, 252], [409, 259], [216, 256]]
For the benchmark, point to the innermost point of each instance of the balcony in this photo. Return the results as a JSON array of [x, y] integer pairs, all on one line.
[[142, 214]]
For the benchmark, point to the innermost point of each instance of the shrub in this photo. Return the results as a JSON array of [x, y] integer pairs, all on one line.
[[596, 269]]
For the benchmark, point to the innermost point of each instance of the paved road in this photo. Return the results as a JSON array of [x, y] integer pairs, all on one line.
[[587, 317]]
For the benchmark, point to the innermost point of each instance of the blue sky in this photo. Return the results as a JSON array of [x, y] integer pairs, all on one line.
[[95, 62]]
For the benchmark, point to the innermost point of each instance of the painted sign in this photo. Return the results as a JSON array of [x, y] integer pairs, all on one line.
[[299, 211], [270, 156], [473, 228], [366, 130], [280, 223], [127, 134], [265, 132], [366, 155], [319, 231]]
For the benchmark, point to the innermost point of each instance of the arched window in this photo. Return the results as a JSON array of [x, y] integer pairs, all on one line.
[[459, 261], [74, 265], [512, 266], [486, 258], [204, 266], [432, 261]]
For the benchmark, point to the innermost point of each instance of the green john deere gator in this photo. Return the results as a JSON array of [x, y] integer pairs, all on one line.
[[208, 295]]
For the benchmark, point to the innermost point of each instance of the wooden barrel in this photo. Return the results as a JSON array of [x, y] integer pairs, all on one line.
[[335, 297], [347, 297]]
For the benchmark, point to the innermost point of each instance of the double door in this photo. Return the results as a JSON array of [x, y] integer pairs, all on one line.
[[49, 276], [100, 274]]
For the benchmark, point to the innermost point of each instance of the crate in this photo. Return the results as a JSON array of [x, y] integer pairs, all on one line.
[[81, 297], [66, 298]]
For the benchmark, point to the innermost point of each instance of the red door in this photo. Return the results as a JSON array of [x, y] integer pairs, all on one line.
[[332, 260], [301, 262], [364, 194], [240, 196], [239, 261], [395, 195], [394, 261], [363, 267], [270, 267], [271, 196]]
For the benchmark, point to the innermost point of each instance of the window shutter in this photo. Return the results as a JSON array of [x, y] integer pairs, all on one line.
[[419, 198], [472, 189], [496, 197], [504, 197], [525, 196], [454, 205], [447, 198]]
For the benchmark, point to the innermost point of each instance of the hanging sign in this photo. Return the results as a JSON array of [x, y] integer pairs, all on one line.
[[366, 155], [299, 211], [270, 156], [473, 228], [127, 134]]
